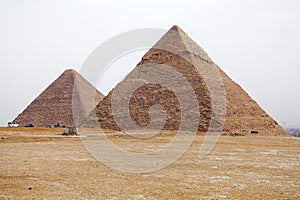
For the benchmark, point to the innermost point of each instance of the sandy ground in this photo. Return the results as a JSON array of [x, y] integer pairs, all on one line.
[[41, 164]]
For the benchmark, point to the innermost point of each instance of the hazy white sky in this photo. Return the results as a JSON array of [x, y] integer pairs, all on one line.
[[256, 42]]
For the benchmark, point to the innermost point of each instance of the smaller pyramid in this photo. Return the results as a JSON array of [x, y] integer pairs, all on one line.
[[67, 101]]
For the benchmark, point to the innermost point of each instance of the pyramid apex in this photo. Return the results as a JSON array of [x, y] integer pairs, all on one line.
[[70, 71], [176, 28], [177, 41]]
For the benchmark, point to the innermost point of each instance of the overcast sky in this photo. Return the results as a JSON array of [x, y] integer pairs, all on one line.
[[256, 42]]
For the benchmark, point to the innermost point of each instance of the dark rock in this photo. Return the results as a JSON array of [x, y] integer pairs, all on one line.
[[236, 134]]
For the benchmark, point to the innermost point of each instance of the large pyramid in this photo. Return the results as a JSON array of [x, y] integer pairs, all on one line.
[[67, 101], [223, 105]]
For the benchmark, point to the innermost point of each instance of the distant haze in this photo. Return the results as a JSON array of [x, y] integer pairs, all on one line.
[[256, 42]]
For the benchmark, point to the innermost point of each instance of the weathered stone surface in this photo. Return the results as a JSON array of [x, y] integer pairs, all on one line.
[[67, 101], [211, 86]]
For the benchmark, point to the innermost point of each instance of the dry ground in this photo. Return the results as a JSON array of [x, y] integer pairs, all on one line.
[[41, 164]]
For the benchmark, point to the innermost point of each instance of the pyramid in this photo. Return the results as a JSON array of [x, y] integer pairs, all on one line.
[[223, 105], [67, 101]]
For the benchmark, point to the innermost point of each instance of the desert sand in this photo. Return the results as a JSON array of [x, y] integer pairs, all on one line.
[[42, 164]]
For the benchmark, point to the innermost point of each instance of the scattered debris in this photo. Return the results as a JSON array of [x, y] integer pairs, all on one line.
[[236, 134]]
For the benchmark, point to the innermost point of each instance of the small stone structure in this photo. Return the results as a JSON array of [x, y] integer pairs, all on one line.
[[70, 131]]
